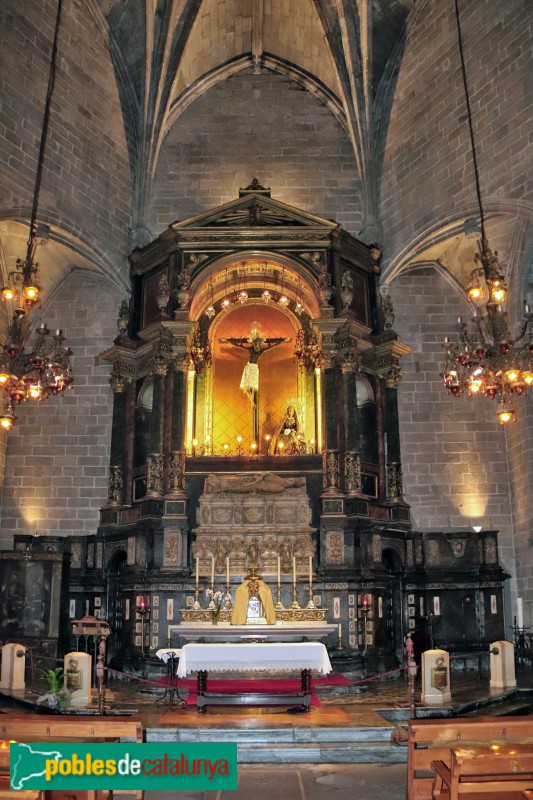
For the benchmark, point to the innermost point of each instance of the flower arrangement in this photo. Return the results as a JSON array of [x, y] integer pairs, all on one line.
[[57, 695], [216, 603]]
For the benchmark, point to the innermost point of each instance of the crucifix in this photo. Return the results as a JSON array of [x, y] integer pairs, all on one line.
[[255, 345]]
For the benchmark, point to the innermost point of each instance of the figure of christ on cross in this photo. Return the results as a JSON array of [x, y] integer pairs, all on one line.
[[255, 345]]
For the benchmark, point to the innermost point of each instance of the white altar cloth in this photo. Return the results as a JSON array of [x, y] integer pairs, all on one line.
[[275, 656]]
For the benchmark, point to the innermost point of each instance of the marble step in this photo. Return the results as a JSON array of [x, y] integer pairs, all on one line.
[[274, 736], [332, 753], [295, 745]]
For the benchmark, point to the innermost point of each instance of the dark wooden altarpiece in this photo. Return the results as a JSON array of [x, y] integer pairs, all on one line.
[[448, 585]]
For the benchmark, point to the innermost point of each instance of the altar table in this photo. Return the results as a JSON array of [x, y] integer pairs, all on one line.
[[254, 657]]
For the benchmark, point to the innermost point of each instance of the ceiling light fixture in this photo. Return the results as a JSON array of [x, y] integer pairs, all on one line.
[[490, 359], [46, 370]]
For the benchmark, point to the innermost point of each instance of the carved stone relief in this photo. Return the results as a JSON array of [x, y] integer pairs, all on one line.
[[249, 525], [432, 552], [75, 549], [334, 547], [172, 549], [130, 553]]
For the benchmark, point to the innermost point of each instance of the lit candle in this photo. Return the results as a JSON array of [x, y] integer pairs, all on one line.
[[310, 570], [279, 569], [294, 569], [197, 571], [142, 602], [227, 570], [519, 613], [212, 571], [365, 601]]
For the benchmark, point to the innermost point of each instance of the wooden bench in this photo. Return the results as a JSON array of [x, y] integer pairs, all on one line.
[[487, 772], [432, 739], [59, 729]]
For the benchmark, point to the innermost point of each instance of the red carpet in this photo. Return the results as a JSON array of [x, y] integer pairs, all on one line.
[[271, 685], [259, 684]]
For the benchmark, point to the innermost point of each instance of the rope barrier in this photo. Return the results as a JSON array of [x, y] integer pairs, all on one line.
[[133, 677], [350, 683], [365, 680]]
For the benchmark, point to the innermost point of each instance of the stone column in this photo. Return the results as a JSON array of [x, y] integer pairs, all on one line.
[[330, 443], [129, 422], [176, 411], [118, 441], [352, 458], [392, 427], [329, 406], [154, 461]]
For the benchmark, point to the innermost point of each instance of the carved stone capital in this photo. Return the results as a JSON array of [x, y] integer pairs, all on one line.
[[349, 360], [330, 472], [118, 380], [352, 473], [118, 383], [154, 475], [327, 360], [392, 378], [159, 364]]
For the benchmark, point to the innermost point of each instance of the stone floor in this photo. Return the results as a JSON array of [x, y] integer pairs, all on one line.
[[373, 705], [308, 782]]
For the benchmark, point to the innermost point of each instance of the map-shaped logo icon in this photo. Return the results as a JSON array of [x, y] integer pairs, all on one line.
[[29, 761]]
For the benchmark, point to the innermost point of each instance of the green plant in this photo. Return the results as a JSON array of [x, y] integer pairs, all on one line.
[[54, 679], [57, 695]]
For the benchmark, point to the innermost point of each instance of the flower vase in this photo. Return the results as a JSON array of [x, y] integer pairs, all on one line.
[[214, 618]]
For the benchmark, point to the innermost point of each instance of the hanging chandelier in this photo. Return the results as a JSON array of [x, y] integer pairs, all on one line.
[[45, 370], [489, 359]]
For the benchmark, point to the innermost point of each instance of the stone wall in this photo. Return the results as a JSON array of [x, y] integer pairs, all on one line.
[[58, 453], [520, 450], [86, 183], [427, 164], [263, 126], [453, 449]]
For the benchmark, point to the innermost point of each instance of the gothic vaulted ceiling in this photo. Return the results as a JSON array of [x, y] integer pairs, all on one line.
[[167, 52]]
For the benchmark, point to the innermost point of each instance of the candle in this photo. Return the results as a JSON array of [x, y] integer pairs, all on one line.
[[519, 613], [142, 602], [340, 631], [279, 569], [197, 571], [365, 601], [227, 570], [212, 571], [310, 570], [293, 569]]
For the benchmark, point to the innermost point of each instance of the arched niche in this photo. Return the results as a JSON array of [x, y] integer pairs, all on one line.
[[276, 273], [368, 421], [219, 414], [143, 421]]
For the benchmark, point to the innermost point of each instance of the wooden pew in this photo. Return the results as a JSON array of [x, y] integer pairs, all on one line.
[[59, 729], [485, 771], [432, 739]]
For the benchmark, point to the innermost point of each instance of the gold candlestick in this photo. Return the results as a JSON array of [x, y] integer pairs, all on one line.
[[227, 601], [279, 604], [196, 604], [295, 603]]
